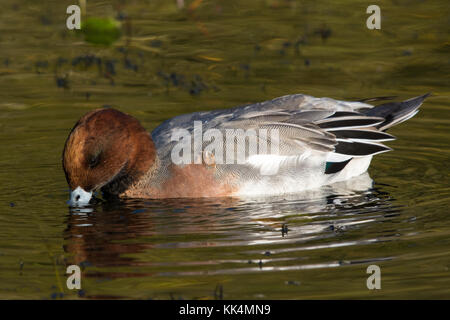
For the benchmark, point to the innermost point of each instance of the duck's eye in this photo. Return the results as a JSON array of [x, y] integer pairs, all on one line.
[[94, 161]]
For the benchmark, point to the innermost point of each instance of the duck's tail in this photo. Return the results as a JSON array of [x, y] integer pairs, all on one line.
[[396, 112]]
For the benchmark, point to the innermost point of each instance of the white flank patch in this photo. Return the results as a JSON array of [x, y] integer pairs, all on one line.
[[337, 157], [354, 168], [269, 164]]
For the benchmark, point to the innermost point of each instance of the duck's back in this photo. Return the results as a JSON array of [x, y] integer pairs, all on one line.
[[319, 141]]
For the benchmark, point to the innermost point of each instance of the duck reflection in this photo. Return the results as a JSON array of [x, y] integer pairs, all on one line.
[[137, 233]]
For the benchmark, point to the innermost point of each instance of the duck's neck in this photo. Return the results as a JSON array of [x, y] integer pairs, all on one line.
[[142, 161]]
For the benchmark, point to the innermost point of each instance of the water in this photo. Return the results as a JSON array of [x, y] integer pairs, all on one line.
[[221, 54]]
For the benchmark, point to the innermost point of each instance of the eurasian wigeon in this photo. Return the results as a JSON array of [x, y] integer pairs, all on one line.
[[318, 141]]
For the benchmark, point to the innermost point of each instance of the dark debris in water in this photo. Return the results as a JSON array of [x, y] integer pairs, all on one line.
[[218, 292], [86, 61], [172, 297], [292, 283], [336, 229], [128, 64], [299, 42], [194, 85], [407, 52], [285, 46], [62, 81], [45, 20], [324, 32], [21, 265], [40, 65], [284, 230], [121, 16], [139, 211], [246, 68], [122, 50], [56, 295], [156, 43], [61, 61], [106, 67], [110, 67], [85, 264]]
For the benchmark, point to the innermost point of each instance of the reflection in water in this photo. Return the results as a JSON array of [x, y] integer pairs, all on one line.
[[164, 237]]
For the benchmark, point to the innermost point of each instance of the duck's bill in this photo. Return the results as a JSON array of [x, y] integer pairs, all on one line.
[[79, 197]]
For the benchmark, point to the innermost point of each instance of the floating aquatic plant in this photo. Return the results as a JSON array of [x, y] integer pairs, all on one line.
[[103, 31]]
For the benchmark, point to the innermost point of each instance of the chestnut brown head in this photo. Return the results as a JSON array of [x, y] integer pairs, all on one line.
[[107, 150]]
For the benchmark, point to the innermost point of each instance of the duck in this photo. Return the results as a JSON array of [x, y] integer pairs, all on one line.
[[282, 146]]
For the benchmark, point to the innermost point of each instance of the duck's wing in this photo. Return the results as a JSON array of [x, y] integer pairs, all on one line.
[[287, 104], [340, 135], [305, 126]]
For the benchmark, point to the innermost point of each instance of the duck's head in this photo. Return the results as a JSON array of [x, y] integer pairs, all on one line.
[[107, 150]]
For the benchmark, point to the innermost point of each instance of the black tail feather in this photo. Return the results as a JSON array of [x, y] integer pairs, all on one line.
[[396, 112]]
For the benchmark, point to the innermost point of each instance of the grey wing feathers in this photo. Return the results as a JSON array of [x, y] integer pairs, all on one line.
[[315, 131], [296, 130], [308, 123]]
